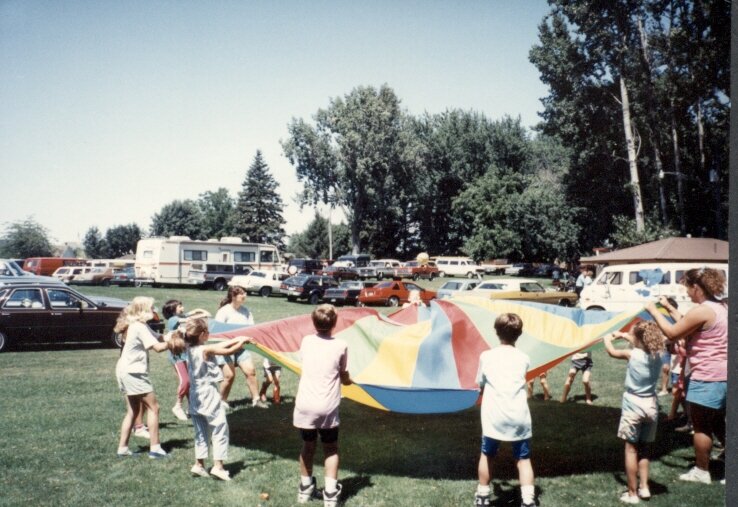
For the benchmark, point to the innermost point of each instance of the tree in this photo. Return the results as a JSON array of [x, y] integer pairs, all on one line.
[[122, 240], [25, 239], [258, 214], [626, 234], [217, 213], [179, 218], [313, 241], [94, 243], [355, 158]]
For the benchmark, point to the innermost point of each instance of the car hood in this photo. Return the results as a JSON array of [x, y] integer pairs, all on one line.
[[109, 302]]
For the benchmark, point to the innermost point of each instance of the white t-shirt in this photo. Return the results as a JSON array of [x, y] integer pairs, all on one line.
[[505, 412], [135, 355], [205, 375], [319, 391], [230, 315]]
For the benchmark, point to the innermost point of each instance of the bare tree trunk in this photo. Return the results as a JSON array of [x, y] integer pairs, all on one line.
[[635, 183], [677, 168]]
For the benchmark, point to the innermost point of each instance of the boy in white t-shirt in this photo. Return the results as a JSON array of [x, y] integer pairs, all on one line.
[[505, 413]]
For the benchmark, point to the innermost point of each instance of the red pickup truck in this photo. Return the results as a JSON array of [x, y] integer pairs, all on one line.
[[415, 270]]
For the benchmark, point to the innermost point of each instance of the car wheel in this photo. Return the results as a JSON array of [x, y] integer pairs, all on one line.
[[379, 278], [220, 284], [117, 340], [442, 274], [416, 276], [393, 301], [265, 292], [3, 342], [565, 303], [106, 283], [314, 299]]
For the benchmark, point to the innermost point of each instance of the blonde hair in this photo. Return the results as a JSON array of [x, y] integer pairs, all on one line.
[[141, 309], [649, 334], [193, 330]]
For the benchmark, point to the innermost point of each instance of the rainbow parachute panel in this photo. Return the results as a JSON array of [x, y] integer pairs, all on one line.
[[424, 359]]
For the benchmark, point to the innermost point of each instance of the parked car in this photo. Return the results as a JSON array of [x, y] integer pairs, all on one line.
[[523, 289], [264, 282], [66, 273], [458, 266], [377, 268], [45, 266], [545, 270], [339, 273], [416, 270], [520, 269], [347, 293], [307, 287], [32, 311], [95, 276], [311, 266], [393, 293], [9, 267], [456, 286], [124, 276]]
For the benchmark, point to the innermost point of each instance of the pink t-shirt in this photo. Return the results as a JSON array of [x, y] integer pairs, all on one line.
[[319, 391], [707, 350]]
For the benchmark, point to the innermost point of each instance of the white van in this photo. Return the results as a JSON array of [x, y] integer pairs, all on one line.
[[458, 266], [628, 287]]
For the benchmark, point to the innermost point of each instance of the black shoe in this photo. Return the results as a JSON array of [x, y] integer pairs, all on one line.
[[481, 501]]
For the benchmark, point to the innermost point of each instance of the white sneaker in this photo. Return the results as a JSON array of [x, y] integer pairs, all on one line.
[[696, 475], [644, 493], [198, 470], [220, 473], [332, 499], [628, 498], [141, 432], [179, 413]]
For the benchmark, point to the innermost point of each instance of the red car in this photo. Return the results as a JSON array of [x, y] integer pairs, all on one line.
[[393, 293]]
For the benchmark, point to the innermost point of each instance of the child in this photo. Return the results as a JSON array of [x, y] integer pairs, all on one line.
[[132, 372], [581, 361], [173, 311], [544, 385], [640, 402], [272, 374], [208, 414], [324, 369], [505, 413]]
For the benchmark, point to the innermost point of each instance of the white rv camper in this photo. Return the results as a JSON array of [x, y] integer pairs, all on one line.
[[179, 260]]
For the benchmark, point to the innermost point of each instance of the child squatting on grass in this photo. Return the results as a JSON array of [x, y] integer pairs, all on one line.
[[132, 372], [208, 414], [505, 412], [640, 410], [324, 369]]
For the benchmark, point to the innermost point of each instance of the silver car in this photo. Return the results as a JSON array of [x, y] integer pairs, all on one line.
[[456, 286]]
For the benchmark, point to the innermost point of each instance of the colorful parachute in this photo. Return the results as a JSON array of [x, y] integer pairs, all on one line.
[[425, 359]]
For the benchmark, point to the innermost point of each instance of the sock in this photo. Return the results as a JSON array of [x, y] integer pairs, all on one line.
[[528, 493], [483, 490], [305, 480], [157, 448], [330, 485], [123, 450]]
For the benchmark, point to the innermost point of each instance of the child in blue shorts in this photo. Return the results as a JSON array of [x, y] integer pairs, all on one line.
[[505, 413], [640, 410]]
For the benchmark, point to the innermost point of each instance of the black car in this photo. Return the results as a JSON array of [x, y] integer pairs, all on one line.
[[347, 293], [310, 266], [51, 312], [124, 276], [307, 287]]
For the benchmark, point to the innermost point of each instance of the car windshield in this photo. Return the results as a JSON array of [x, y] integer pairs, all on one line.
[[493, 286], [297, 280], [10, 268], [350, 285], [452, 286]]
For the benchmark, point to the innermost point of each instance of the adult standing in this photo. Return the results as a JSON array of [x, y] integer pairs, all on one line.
[[233, 311], [705, 329], [580, 282]]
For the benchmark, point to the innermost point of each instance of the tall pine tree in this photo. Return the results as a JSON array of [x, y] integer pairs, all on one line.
[[258, 214]]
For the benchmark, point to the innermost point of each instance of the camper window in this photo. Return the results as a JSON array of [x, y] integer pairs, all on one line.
[[195, 255], [244, 256]]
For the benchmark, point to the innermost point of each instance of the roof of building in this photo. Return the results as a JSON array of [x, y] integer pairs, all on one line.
[[668, 249]]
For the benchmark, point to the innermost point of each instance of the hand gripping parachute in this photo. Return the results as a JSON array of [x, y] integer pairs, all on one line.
[[424, 360]]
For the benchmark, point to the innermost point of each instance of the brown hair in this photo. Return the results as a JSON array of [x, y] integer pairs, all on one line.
[[324, 318], [193, 329], [233, 291], [711, 281], [650, 335], [509, 326]]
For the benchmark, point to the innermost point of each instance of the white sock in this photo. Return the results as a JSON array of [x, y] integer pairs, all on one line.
[[482, 490], [306, 480], [528, 493], [157, 448], [330, 485], [123, 450]]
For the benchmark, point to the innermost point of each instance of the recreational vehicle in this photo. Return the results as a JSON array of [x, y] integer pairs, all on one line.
[[179, 260]]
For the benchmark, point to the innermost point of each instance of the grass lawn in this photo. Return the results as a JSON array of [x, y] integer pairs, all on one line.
[[61, 413]]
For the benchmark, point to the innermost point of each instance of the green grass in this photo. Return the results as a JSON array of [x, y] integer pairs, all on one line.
[[61, 413]]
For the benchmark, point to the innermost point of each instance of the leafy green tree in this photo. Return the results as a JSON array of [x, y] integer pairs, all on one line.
[[355, 157], [179, 218], [94, 243], [258, 214], [26, 238], [217, 213], [626, 234], [122, 240], [313, 241]]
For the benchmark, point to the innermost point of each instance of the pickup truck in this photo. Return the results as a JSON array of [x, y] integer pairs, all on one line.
[[379, 269], [416, 270], [495, 267]]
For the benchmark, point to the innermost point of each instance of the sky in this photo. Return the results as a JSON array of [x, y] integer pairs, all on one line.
[[110, 110]]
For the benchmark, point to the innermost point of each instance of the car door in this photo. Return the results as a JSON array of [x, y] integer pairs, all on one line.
[[24, 314], [533, 291], [75, 318]]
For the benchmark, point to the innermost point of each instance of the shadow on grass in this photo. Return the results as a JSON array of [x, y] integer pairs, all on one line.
[[568, 438]]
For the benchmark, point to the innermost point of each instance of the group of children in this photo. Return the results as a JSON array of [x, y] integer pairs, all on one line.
[[505, 415]]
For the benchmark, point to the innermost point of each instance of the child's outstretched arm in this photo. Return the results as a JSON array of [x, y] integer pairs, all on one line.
[[198, 313], [612, 351], [228, 347]]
